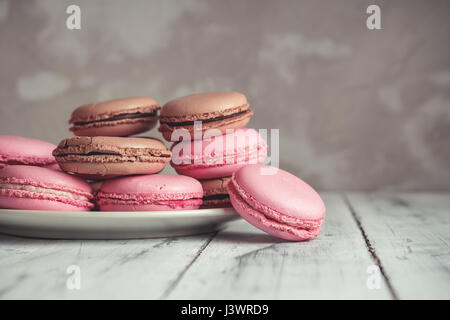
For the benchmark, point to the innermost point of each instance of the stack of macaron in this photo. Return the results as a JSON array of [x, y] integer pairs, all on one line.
[[30, 178], [106, 167], [214, 141], [102, 147], [122, 168]]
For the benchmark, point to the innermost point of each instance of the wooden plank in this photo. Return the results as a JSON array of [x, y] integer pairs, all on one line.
[[245, 263], [410, 233], [129, 269]]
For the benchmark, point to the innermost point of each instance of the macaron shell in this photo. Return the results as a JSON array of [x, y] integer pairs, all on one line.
[[37, 204], [191, 204], [118, 128], [201, 103], [45, 177], [209, 172], [112, 144], [28, 151], [105, 170], [280, 191], [106, 109], [54, 166], [160, 186]]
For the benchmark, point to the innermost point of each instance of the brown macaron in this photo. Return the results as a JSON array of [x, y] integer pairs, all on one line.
[[216, 110], [96, 185], [116, 118], [108, 157], [215, 194]]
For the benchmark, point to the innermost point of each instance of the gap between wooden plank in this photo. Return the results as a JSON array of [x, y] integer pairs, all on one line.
[[169, 290], [243, 262], [372, 252]]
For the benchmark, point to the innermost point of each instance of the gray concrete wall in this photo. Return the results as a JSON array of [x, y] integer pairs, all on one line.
[[356, 109]]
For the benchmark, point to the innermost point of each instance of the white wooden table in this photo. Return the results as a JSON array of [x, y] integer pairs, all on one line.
[[405, 236]]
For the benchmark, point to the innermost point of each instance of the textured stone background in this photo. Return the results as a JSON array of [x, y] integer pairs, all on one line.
[[357, 109]]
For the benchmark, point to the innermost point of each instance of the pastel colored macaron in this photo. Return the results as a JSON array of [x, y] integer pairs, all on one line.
[[36, 188], [277, 202], [100, 158], [26, 151], [118, 118], [216, 110], [218, 156], [158, 192], [215, 194]]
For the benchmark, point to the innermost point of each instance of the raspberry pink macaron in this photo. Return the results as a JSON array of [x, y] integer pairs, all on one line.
[[26, 151], [277, 202], [158, 192], [218, 156], [36, 188]]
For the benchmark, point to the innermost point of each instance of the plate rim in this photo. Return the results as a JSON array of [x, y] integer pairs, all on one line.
[[206, 212], [110, 225]]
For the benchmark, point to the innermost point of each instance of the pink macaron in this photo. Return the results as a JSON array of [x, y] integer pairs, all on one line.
[[218, 156], [277, 202], [36, 188], [157, 192], [27, 151]]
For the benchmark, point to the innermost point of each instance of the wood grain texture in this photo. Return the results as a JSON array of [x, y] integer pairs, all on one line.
[[243, 262], [129, 269], [410, 234], [407, 235]]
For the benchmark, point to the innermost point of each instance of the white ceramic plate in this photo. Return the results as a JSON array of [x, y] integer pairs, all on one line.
[[112, 225]]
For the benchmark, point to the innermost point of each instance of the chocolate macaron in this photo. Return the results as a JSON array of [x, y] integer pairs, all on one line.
[[216, 110], [107, 157], [215, 194], [116, 118]]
